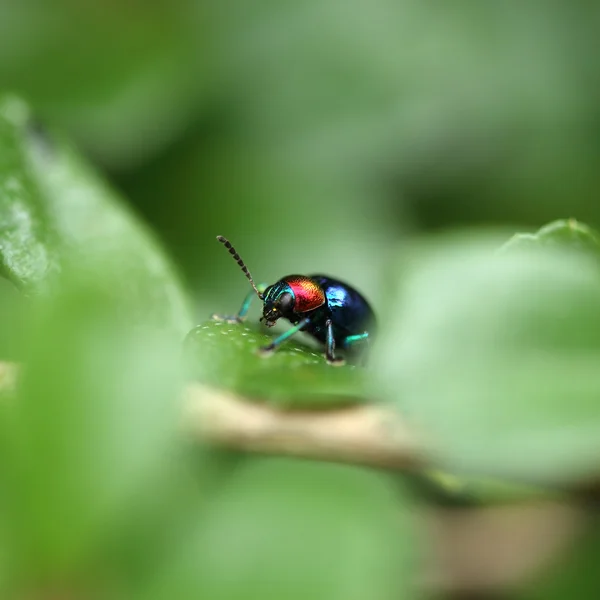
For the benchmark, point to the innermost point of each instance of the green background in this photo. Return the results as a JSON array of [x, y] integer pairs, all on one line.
[[316, 135]]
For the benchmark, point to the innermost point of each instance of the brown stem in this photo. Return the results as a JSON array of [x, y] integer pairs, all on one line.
[[367, 435]]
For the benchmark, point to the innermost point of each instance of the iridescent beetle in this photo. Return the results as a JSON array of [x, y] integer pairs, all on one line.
[[329, 310]]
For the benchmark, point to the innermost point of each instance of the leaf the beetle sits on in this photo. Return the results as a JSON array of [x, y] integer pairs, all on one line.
[[225, 356], [54, 210], [495, 356]]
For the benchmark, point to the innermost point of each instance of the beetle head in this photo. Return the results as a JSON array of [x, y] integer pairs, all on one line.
[[278, 302]]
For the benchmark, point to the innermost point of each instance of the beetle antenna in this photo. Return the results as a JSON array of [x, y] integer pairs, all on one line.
[[240, 262]]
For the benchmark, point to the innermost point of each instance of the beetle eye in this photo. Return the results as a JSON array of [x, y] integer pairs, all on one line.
[[285, 301]]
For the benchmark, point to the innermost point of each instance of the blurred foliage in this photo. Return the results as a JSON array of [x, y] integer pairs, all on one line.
[[313, 549], [83, 445], [321, 136], [56, 212], [125, 66], [569, 234], [577, 577], [513, 354], [325, 125]]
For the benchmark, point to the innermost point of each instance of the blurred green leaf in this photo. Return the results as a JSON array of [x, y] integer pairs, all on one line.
[[462, 489], [55, 210], [296, 530], [143, 539], [93, 428], [123, 100], [494, 355], [563, 233], [13, 316], [295, 376], [576, 576]]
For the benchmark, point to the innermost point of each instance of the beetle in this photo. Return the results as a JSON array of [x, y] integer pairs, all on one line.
[[328, 309]]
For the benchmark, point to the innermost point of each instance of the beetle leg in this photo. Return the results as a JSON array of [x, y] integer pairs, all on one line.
[[241, 316], [330, 346], [359, 339], [356, 339], [266, 350]]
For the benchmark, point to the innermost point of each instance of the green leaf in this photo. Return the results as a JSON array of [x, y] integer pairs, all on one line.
[[576, 576], [295, 376], [495, 357], [13, 318], [92, 430], [55, 210], [563, 233], [295, 530], [459, 488]]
